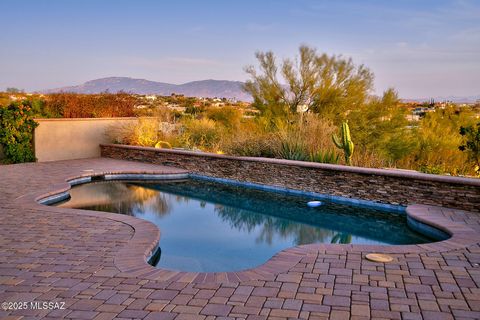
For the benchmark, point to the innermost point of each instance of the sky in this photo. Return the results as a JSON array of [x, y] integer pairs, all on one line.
[[424, 48]]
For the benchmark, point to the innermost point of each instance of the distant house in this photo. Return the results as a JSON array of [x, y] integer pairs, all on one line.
[[151, 98], [421, 111], [412, 117]]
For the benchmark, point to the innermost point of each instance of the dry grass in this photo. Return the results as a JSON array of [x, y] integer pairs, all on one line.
[[435, 145]]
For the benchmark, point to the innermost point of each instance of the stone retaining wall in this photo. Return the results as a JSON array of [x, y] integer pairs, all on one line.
[[379, 185]]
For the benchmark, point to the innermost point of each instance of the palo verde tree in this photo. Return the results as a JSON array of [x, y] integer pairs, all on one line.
[[313, 82], [380, 125], [471, 145]]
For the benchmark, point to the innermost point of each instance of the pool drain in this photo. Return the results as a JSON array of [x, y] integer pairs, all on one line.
[[378, 257]]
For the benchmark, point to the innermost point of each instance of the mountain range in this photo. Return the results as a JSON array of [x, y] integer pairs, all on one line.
[[203, 88], [454, 99]]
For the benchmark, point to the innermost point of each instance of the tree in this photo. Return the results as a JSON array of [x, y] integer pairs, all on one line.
[[16, 132], [472, 144], [313, 82], [381, 125], [14, 90]]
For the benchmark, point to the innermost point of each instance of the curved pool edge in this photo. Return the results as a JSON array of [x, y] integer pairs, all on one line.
[[131, 260], [145, 234]]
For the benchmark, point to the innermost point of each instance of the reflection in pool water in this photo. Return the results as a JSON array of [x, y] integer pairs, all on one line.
[[209, 226]]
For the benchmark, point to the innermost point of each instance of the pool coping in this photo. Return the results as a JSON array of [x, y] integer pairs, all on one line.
[[131, 260]]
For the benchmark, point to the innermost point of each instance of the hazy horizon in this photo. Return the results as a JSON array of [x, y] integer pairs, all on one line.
[[50, 90], [422, 49]]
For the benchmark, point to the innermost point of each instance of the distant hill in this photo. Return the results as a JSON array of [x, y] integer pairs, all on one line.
[[203, 88], [455, 99]]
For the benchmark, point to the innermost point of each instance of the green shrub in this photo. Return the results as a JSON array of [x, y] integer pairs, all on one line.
[[431, 169], [329, 156], [16, 132], [200, 133], [194, 111], [229, 117], [253, 146], [144, 132], [471, 144], [293, 150], [437, 140]]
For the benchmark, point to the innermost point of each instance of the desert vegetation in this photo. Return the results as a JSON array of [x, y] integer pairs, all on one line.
[[430, 145], [314, 107], [300, 104], [16, 132]]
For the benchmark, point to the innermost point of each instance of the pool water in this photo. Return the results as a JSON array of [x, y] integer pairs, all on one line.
[[208, 226]]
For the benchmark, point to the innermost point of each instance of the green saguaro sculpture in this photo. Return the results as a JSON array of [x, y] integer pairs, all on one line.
[[344, 142]]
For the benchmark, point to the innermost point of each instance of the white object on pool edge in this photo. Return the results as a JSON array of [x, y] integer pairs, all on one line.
[[313, 204]]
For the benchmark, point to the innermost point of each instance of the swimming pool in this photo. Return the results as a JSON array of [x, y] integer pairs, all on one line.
[[207, 226]]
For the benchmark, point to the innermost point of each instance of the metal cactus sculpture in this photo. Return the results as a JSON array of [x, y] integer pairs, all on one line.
[[344, 142]]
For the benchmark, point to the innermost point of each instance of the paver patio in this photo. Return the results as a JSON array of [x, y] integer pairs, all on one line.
[[94, 262]]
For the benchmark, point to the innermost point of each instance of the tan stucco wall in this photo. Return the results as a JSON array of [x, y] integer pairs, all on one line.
[[65, 139]]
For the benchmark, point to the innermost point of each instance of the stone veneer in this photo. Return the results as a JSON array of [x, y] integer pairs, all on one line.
[[379, 185]]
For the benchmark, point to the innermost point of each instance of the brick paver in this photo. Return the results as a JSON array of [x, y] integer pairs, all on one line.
[[94, 263]]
